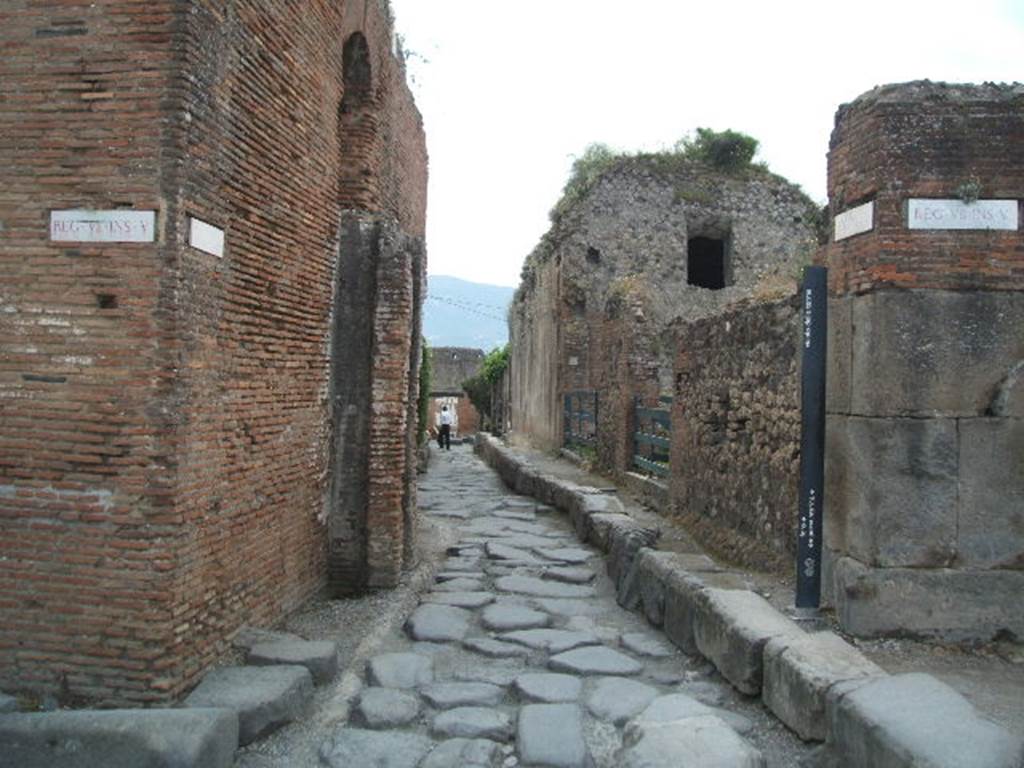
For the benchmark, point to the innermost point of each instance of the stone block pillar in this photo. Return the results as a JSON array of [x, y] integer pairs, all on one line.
[[925, 458]]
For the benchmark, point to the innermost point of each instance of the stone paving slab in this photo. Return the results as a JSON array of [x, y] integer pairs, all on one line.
[[616, 699], [265, 698], [511, 617], [698, 742], [400, 670], [451, 695], [319, 657], [531, 585], [465, 753], [552, 735], [438, 623], [386, 708], [350, 747], [190, 738], [473, 723], [460, 599], [595, 660], [551, 640], [548, 687]]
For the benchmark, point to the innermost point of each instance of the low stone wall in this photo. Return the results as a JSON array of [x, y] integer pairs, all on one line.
[[816, 683], [736, 431]]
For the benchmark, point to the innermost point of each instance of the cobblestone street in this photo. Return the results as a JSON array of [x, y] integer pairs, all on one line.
[[519, 655]]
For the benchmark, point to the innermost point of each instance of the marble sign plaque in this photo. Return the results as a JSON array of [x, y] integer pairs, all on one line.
[[854, 221], [956, 214], [119, 226], [206, 237]]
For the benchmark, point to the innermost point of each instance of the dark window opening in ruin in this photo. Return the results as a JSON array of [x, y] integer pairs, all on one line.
[[706, 265], [593, 255], [106, 301]]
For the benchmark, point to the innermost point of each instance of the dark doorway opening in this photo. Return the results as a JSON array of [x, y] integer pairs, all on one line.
[[705, 263]]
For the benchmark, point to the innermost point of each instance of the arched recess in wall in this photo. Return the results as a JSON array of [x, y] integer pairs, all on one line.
[[359, 130]]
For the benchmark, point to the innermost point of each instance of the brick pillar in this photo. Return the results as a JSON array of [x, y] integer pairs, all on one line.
[[925, 480]]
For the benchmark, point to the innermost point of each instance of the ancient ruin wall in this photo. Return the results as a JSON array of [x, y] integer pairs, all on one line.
[[182, 396], [736, 431], [924, 494]]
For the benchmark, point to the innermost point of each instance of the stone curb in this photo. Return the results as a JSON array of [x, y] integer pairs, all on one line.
[[132, 738], [808, 681]]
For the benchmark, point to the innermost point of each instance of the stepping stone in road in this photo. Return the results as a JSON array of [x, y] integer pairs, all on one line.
[[595, 660], [552, 735], [497, 551], [548, 687], [504, 618], [644, 644], [531, 585], [551, 640], [616, 699], [515, 514], [449, 695], [569, 575], [473, 723], [571, 555], [494, 648], [462, 584], [460, 599], [400, 670], [381, 749], [465, 753], [386, 708], [265, 698], [449, 575], [319, 657], [438, 623]]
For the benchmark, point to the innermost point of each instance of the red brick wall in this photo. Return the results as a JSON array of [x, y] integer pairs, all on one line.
[[163, 461], [887, 148]]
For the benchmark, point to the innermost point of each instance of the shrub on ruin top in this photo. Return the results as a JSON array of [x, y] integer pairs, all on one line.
[[726, 150]]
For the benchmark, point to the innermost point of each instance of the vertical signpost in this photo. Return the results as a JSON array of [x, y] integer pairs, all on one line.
[[812, 438]]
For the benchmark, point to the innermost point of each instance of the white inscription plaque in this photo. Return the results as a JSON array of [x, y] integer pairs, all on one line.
[[206, 237], [80, 226], [956, 214], [854, 221]]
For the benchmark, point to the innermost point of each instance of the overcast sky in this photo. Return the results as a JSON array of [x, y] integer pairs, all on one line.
[[510, 92]]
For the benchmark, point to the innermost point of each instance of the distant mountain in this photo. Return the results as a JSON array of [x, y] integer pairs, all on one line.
[[458, 313]]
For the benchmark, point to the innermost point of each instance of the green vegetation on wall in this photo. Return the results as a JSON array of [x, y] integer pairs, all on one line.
[[479, 387]]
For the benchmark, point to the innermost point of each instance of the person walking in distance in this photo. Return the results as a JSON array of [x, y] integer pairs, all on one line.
[[444, 438]]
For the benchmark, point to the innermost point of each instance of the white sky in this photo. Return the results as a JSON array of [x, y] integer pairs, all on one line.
[[510, 92]]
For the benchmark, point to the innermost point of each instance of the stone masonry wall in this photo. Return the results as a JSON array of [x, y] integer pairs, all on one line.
[[736, 432], [924, 481], [166, 443]]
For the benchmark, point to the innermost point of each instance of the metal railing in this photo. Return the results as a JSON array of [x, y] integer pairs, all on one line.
[[579, 418], [652, 438]]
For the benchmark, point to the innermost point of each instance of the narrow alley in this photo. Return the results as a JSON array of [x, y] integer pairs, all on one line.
[[517, 654]]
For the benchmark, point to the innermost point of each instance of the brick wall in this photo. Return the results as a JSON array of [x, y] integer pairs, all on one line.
[[166, 442], [736, 432]]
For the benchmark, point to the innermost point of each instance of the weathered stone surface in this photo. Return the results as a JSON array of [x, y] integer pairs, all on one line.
[[948, 604], [731, 631], [531, 585], [646, 644], [8, 704], [494, 648], [595, 660], [501, 676], [438, 623], [498, 551], [569, 575], [894, 490], [672, 707], [444, 576], [990, 526], [598, 528], [700, 742], [504, 618], [465, 753], [684, 594], [570, 607], [473, 723], [551, 640], [319, 657], [616, 699], [552, 735], [644, 587], [265, 698], [798, 672], [944, 352], [248, 637], [400, 670], [450, 695], [548, 687], [460, 599], [191, 738], [386, 708], [392, 749], [914, 720]]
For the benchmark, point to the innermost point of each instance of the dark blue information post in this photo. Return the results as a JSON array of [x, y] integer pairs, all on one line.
[[812, 438]]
